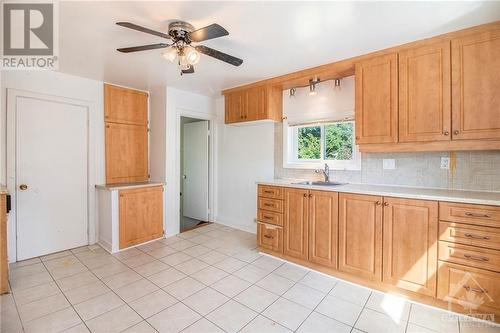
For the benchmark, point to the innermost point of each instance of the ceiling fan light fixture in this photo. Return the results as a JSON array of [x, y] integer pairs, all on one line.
[[170, 54], [192, 56]]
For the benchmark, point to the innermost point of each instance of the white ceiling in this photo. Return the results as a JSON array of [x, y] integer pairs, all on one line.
[[272, 38]]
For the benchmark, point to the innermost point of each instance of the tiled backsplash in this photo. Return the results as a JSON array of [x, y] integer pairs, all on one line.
[[470, 170]]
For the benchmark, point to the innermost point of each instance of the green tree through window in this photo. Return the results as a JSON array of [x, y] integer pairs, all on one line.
[[338, 143], [309, 143]]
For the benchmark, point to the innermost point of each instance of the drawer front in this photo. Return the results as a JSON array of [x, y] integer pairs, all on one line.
[[468, 286], [270, 217], [272, 192], [270, 237], [469, 235], [470, 256], [272, 205], [470, 214]]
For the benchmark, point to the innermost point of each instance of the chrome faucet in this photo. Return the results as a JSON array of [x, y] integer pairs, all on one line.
[[325, 172]]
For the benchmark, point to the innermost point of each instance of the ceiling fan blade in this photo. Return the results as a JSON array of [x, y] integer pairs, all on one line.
[[219, 55], [143, 47], [209, 32], [190, 70], [142, 29]]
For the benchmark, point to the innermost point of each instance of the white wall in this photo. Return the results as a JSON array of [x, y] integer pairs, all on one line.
[[245, 154], [157, 134], [180, 103], [68, 86]]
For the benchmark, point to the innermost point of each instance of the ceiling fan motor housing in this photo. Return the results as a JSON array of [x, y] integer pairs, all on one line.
[[179, 30]]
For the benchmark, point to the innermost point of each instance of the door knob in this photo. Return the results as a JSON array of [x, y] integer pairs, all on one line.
[[23, 187]]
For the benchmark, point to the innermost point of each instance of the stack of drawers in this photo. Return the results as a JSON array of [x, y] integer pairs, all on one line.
[[469, 255], [270, 217]]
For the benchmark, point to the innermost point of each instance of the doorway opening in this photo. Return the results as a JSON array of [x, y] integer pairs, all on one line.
[[194, 175]]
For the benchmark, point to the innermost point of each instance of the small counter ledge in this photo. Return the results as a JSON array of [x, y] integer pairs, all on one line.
[[124, 186], [459, 196]]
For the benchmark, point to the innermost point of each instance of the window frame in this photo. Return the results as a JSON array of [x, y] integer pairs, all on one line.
[[290, 149]]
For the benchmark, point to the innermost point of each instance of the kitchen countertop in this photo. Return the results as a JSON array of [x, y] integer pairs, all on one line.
[[124, 186], [472, 197]]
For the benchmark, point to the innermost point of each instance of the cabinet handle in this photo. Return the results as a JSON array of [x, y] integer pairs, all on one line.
[[386, 204], [378, 203], [268, 217], [476, 236], [446, 133], [471, 257], [456, 132], [476, 290], [268, 192], [477, 215], [305, 195], [268, 205], [310, 195], [267, 236]]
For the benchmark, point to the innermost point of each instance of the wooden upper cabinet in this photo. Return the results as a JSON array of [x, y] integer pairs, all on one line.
[[141, 215], [296, 226], [125, 106], [476, 86], [410, 244], [233, 104], [254, 103], [323, 227], [425, 93], [360, 235], [377, 100], [126, 153]]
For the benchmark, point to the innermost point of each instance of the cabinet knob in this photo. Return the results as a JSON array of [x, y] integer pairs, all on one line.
[[310, 195], [456, 132], [305, 195], [378, 203], [386, 204], [446, 133]]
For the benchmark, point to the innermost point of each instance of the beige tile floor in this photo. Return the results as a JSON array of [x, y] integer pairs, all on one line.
[[210, 279]]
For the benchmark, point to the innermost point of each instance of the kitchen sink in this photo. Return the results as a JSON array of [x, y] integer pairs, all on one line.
[[319, 183]]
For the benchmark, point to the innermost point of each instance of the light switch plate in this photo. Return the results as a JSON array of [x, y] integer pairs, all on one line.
[[445, 163], [389, 163]]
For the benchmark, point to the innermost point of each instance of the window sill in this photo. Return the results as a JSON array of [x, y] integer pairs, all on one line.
[[320, 165]]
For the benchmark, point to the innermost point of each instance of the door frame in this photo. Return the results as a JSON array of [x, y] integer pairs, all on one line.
[[11, 143], [211, 118]]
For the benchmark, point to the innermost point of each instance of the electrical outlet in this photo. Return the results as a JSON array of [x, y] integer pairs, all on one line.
[[445, 163], [389, 163]]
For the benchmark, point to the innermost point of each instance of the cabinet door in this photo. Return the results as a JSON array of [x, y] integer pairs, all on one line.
[[475, 86], [255, 104], [360, 235], [126, 153], [410, 244], [125, 106], [377, 100], [141, 215], [234, 107], [323, 227], [296, 223], [425, 93]]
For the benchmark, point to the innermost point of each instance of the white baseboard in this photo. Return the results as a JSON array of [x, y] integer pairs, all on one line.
[[248, 228]]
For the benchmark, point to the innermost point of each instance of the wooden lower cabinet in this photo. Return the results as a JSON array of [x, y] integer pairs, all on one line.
[[410, 244], [296, 226], [270, 237], [360, 235], [323, 227], [141, 215], [469, 287]]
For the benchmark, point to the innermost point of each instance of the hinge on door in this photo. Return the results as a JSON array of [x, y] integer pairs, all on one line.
[[208, 133]]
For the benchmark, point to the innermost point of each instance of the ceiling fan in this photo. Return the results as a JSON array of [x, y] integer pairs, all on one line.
[[182, 34]]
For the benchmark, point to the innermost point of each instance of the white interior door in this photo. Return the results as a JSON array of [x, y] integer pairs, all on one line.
[[51, 176], [195, 174]]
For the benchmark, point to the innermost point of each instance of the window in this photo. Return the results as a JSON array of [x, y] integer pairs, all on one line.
[[310, 146]]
